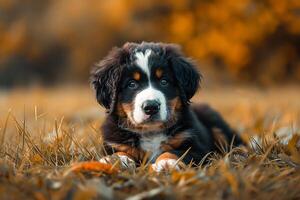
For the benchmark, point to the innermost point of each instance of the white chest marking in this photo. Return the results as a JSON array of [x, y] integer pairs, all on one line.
[[152, 144], [142, 61]]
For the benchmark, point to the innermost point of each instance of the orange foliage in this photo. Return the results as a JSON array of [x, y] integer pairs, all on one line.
[[95, 166], [246, 39]]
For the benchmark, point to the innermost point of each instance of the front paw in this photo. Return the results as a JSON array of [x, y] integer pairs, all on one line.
[[166, 162], [165, 165], [120, 159]]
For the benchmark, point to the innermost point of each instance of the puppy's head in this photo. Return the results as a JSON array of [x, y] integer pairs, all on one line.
[[146, 85]]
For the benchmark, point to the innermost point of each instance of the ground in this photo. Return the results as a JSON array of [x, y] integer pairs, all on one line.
[[43, 132]]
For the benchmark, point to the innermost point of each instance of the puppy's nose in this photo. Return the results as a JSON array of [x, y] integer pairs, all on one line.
[[151, 107]]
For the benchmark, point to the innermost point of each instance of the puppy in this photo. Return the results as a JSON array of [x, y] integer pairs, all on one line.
[[146, 89]]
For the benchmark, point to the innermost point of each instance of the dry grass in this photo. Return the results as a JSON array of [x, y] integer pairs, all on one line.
[[42, 132]]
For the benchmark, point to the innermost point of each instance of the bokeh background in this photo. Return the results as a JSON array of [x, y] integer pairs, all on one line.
[[254, 42], [247, 50]]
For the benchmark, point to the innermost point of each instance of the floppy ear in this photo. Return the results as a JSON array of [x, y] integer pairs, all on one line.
[[185, 72], [105, 78]]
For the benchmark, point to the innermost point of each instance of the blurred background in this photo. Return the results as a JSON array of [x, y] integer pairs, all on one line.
[[47, 42], [247, 50]]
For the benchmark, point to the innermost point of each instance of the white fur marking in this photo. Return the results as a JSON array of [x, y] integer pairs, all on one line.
[[165, 164], [152, 144], [142, 61], [126, 161], [149, 94]]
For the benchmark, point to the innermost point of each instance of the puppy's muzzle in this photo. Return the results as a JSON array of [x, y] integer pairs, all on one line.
[[151, 107]]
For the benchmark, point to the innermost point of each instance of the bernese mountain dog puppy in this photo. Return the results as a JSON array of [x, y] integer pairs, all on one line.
[[146, 89]]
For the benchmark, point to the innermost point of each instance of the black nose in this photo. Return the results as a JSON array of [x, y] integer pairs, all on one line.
[[151, 107]]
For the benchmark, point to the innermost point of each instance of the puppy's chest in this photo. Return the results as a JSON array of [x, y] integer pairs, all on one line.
[[153, 143]]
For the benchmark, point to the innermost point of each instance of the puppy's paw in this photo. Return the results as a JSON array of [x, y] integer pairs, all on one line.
[[166, 162], [121, 159], [165, 165]]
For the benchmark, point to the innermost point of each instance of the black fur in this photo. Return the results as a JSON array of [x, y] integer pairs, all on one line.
[[185, 72], [106, 76]]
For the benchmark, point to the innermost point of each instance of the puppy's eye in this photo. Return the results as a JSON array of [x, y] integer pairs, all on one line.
[[132, 84], [164, 82]]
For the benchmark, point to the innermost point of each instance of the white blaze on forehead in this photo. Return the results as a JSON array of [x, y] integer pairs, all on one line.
[[142, 61], [149, 94]]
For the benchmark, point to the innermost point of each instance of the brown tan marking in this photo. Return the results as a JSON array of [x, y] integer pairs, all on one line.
[[175, 104], [159, 73], [137, 76], [120, 110], [127, 108], [132, 152], [165, 156], [175, 142]]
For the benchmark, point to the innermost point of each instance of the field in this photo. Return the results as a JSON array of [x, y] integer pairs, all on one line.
[[44, 131]]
